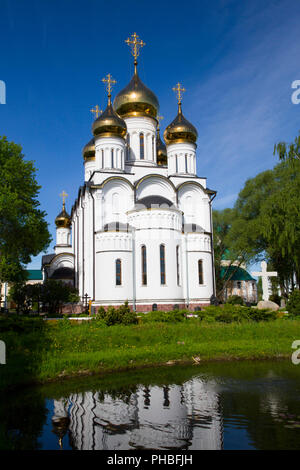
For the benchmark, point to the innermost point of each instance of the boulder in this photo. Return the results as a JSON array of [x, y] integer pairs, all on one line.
[[262, 304]]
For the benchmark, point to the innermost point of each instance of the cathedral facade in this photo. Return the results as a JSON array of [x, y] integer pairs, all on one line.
[[141, 227]]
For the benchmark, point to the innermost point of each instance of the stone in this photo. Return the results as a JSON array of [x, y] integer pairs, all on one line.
[[262, 304]]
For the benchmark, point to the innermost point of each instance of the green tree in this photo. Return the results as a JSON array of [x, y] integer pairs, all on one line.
[[288, 151], [225, 249], [56, 293], [23, 229], [267, 220]]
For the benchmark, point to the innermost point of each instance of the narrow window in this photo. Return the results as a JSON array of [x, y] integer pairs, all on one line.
[[162, 250], [144, 265], [102, 154], [200, 271], [118, 272], [112, 158], [128, 147], [186, 163], [153, 147], [239, 284], [142, 149], [177, 265], [176, 161]]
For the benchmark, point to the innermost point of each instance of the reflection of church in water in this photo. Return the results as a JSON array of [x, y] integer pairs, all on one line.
[[171, 417]]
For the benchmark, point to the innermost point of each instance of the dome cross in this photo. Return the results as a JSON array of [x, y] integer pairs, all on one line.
[[96, 110], [64, 195], [135, 43], [110, 83], [179, 90]]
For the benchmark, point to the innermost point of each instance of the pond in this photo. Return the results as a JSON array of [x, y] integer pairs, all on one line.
[[233, 405]]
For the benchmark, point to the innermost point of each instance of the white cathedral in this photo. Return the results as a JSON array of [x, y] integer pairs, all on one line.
[[141, 227]]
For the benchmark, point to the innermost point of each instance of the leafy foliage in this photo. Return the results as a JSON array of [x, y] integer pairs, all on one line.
[[235, 300], [51, 293], [117, 316], [293, 304], [23, 229]]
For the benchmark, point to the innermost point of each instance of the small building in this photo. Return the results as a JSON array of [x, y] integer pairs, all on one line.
[[240, 282], [34, 276]]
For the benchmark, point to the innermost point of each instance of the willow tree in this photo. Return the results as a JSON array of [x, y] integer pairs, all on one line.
[[23, 229]]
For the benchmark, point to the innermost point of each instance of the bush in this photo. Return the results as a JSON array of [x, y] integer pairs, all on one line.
[[293, 304], [235, 300], [21, 324], [117, 316], [235, 313], [173, 316]]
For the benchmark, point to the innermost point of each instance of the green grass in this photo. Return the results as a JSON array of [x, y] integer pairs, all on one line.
[[62, 349]]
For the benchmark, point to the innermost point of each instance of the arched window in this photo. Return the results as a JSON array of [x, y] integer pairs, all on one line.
[[118, 272], [162, 254], [176, 162], [144, 265], [178, 265], [112, 158], [142, 148], [102, 155], [200, 271], [186, 163]]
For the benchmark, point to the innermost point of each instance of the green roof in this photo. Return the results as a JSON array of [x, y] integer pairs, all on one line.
[[235, 274], [34, 275]]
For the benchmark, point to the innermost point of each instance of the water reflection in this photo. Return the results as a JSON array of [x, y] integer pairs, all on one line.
[[169, 417], [246, 405]]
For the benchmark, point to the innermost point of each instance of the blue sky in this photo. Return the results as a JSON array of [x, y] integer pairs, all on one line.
[[237, 60]]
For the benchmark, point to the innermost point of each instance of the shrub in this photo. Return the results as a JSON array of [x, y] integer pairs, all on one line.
[[235, 313], [173, 316], [116, 316], [293, 304], [235, 300]]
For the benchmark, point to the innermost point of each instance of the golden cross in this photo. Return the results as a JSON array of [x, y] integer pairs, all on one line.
[[159, 118], [110, 82], [179, 90], [96, 110], [64, 196], [135, 43]]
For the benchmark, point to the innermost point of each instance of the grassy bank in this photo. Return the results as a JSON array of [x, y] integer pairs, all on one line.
[[64, 349]]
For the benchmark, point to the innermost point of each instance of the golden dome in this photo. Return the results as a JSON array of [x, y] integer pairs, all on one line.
[[180, 130], [63, 220], [109, 124], [161, 151], [88, 151], [136, 100]]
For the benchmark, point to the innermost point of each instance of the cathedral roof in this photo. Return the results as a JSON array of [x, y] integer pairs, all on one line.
[[109, 124], [88, 151], [180, 130], [136, 100], [63, 219]]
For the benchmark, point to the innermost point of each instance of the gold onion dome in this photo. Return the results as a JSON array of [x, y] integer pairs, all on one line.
[[109, 123], [88, 151], [180, 130], [63, 220], [136, 100]]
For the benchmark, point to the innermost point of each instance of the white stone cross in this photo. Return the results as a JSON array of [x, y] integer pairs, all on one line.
[[265, 279]]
